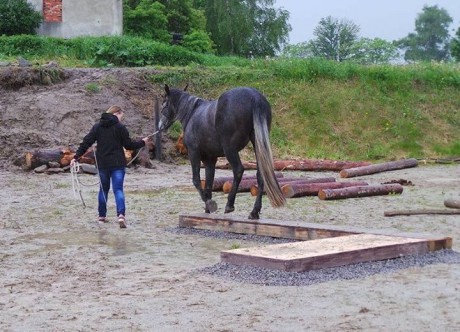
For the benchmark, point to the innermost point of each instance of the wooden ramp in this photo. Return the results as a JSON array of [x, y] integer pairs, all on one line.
[[317, 254], [320, 246]]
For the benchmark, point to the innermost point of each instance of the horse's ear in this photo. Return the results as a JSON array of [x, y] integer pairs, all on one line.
[[185, 89], [167, 89]]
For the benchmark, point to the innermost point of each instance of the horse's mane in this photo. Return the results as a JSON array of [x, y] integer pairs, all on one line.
[[185, 104]]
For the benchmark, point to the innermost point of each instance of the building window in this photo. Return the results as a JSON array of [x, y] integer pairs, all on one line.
[[52, 11]]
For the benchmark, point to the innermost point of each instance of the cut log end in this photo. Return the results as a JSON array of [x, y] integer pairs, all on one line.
[[287, 190], [452, 203]]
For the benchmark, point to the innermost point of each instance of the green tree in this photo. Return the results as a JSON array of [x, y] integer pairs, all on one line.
[[239, 27], [431, 39], [300, 50], [228, 25], [455, 46], [178, 13], [18, 17], [334, 38], [270, 29], [373, 51], [145, 18]]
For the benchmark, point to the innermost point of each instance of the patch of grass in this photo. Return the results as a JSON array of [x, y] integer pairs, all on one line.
[[235, 246], [92, 87], [358, 113]]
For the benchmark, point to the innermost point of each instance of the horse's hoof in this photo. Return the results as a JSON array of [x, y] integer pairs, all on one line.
[[253, 216], [211, 206], [229, 209]]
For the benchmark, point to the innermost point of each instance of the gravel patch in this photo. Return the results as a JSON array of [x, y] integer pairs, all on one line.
[[269, 277], [228, 235]]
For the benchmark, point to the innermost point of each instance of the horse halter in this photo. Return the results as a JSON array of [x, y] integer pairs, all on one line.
[[166, 120]]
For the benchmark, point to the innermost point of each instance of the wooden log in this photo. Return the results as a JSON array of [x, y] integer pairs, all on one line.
[[377, 168], [244, 186], [180, 146], [317, 165], [251, 184], [219, 182], [452, 203], [293, 190], [418, 212], [37, 158], [63, 156], [303, 165], [294, 180], [360, 191]]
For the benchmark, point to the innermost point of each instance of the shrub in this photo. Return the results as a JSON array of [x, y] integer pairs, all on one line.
[[18, 17]]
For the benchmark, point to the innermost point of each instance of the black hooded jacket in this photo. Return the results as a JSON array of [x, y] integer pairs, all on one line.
[[111, 137]]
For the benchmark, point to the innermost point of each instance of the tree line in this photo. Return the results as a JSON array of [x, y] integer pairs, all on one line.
[[256, 28]]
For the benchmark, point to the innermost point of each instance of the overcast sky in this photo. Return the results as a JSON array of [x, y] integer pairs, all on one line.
[[387, 19]]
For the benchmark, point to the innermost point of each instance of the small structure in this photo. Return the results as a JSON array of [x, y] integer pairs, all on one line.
[[318, 246], [70, 18]]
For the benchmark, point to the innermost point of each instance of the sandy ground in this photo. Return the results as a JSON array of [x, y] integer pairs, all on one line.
[[63, 271]]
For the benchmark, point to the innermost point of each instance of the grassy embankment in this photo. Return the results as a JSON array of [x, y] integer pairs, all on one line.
[[321, 109]]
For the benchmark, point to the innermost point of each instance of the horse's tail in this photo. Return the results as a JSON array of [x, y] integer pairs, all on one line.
[[265, 158]]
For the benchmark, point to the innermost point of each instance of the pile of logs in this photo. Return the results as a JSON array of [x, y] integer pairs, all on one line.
[[326, 188], [58, 160]]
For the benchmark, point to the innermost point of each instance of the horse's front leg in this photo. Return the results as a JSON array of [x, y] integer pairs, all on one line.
[[205, 194], [210, 170]]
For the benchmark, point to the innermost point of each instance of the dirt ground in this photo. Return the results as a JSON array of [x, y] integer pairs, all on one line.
[[63, 271]]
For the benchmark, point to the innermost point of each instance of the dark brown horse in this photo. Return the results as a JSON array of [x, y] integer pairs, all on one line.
[[223, 127]]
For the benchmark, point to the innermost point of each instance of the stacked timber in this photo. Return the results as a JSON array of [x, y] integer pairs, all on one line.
[[61, 157]]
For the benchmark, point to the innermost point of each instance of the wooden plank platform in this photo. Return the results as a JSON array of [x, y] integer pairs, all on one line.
[[317, 254], [263, 227], [319, 245]]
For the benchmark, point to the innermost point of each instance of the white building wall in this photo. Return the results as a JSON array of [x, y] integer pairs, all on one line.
[[84, 18]]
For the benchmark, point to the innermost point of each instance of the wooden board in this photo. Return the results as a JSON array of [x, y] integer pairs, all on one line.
[[323, 253], [262, 227]]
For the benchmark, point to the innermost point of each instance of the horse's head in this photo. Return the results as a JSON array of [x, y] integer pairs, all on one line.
[[169, 111]]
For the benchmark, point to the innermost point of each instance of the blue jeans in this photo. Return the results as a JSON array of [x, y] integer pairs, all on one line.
[[118, 176]]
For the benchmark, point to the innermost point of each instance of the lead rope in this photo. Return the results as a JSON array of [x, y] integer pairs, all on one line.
[[76, 186], [137, 154]]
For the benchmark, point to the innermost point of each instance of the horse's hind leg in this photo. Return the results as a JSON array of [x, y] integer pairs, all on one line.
[[258, 203], [238, 169]]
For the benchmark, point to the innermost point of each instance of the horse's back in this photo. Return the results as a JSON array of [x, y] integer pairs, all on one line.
[[237, 106], [241, 98], [235, 113]]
